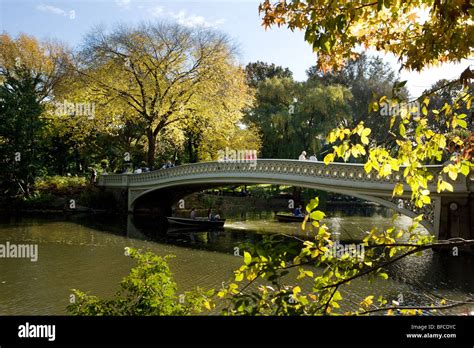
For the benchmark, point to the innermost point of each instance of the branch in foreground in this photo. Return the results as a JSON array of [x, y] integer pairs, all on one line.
[[452, 243], [457, 304]]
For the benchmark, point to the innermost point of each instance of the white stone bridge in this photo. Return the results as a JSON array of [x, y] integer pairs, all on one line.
[[449, 215]]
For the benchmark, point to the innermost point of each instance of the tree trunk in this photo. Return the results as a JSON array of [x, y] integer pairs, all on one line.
[[151, 150], [297, 195], [189, 149]]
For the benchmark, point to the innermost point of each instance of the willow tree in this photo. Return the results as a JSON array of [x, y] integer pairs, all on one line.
[[163, 74], [292, 115]]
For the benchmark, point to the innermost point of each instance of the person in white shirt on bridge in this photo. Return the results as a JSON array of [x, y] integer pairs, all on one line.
[[302, 156]]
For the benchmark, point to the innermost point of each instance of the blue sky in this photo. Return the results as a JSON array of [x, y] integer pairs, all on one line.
[[70, 20]]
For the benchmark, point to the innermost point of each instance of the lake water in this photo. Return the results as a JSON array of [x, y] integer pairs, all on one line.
[[87, 253]]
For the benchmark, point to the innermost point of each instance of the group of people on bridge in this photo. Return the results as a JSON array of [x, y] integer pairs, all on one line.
[[303, 157]]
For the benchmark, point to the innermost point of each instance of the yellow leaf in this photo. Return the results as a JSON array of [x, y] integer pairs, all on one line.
[[462, 123], [329, 158], [367, 301], [452, 173], [392, 121], [425, 199], [402, 130], [465, 168], [398, 190], [368, 167], [303, 225], [448, 186], [366, 132]]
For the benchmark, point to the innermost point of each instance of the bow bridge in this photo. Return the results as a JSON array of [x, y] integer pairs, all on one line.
[[449, 215]]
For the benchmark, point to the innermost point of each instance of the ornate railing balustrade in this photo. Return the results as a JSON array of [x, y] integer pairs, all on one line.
[[348, 174]]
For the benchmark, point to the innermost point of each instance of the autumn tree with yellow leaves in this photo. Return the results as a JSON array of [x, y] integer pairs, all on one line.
[[165, 75]]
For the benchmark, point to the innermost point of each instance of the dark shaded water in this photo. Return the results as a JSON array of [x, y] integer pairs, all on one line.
[[87, 253]]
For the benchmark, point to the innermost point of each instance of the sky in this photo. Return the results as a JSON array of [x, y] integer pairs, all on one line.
[[69, 20]]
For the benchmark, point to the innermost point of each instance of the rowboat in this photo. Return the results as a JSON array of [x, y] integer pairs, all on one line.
[[194, 222], [289, 218]]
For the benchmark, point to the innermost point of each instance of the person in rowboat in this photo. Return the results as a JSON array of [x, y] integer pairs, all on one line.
[[210, 216], [298, 212]]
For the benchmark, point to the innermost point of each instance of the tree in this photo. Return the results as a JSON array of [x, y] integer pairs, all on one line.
[[240, 137], [260, 71], [45, 62], [292, 114], [336, 28], [163, 74], [445, 92], [20, 134], [368, 79], [29, 71]]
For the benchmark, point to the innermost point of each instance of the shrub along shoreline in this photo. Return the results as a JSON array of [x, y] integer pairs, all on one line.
[[58, 194]]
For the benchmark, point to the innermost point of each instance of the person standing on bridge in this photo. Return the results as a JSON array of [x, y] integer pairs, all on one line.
[[193, 213], [93, 176], [302, 156]]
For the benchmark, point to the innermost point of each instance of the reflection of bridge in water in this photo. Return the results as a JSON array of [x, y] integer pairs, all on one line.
[[449, 215]]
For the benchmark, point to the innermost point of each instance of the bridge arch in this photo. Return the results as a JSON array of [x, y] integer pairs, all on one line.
[[206, 184]]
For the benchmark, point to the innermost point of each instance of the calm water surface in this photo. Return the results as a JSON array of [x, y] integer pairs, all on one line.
[[87, 253]]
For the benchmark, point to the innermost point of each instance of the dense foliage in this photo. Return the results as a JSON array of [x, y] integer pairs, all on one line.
[[294, 116], [418, 32]]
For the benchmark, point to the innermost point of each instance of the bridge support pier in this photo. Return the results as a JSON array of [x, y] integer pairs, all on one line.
[[457, 216], [132, 194]]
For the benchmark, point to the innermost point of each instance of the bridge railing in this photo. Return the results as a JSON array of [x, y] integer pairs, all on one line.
[[277, 167]]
